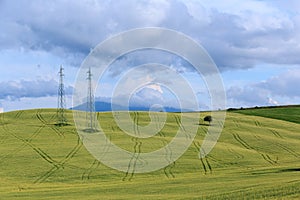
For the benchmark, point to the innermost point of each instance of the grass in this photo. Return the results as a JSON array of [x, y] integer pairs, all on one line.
[[286, 113], [255, 158]]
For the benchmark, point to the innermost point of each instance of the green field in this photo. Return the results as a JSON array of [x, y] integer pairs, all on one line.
[[286, 113], [256, 157]]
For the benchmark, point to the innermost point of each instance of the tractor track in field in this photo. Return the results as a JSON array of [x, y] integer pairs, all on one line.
[[42, 119], [236, 123], [181, 127], [204, 130], [265, 156], [168, 170], [206, 166], [204, 161], [168, 152], [275, 133], [18, 114], [136, 123], [87, 172], [235, 153], [257, 123], [24, 144], [197, 145], [136, 150], [178, 122], [168, 157], [133, 160], [116, 115], [256, 136], [222, 163], [53, 117], [27, 142], [61, 163], [242, 142], [39, 151], [292, 152]]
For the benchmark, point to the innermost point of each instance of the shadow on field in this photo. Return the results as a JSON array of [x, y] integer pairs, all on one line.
[[277, 171], [203, 124], [290, 170]]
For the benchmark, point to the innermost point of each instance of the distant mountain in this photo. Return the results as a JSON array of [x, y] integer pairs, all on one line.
[[101, 106]]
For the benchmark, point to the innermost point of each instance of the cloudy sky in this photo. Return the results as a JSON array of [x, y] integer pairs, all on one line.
[[254, 43]]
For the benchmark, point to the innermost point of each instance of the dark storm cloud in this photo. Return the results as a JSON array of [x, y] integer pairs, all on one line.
[[235, 40]]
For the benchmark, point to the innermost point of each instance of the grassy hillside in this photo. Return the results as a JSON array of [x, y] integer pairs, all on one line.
[[255, 158], [287, 113]]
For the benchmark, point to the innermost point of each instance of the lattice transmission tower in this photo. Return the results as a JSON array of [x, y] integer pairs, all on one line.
[[61, 102], [90, 114]]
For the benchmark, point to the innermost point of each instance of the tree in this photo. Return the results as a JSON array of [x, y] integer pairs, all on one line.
[[208, 119]]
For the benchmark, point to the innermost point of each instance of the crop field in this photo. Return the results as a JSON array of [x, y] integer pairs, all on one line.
[[256, 157]]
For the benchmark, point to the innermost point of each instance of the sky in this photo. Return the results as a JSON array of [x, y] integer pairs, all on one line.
[[254, 43]]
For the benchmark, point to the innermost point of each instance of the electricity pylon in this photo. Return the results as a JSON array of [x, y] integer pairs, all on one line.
[[90, 110], [61, 103]]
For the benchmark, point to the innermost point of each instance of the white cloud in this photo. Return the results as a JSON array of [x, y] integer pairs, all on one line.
[[285, 84], [34, 102], [14, 90], [155, 87], [273, 102], [147, 97], [282, 86]]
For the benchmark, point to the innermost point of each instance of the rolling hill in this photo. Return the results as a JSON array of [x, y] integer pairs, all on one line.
[[256, 157]]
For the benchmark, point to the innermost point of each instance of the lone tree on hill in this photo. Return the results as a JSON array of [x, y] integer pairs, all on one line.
[[208, 119]]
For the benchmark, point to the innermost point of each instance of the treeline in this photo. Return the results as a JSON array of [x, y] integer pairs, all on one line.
[[262, 107]]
